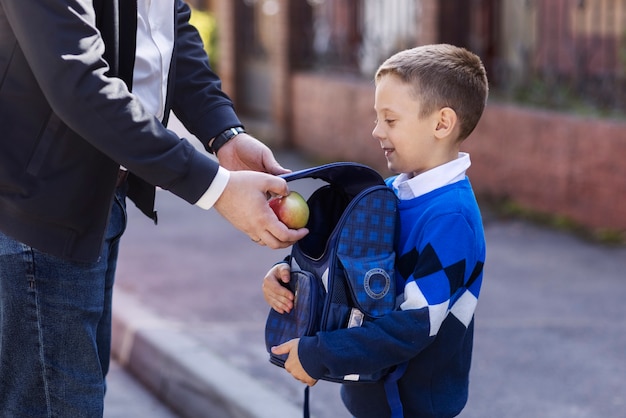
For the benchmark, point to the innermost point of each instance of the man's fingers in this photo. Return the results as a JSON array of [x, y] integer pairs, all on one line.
[[277, 186], [244, 204]]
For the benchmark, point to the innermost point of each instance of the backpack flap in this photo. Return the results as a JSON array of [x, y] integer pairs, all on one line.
[[351, 177], [365, 251]]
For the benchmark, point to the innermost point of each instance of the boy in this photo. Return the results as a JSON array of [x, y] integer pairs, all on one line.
[[427, 101]]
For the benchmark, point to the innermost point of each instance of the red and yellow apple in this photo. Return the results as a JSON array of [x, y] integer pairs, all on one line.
[[292, 210]]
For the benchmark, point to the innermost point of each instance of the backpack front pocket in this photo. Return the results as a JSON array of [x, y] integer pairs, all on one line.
[[302, 320]]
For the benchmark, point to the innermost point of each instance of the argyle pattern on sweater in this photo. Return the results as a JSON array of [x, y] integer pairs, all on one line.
[[440, 250]]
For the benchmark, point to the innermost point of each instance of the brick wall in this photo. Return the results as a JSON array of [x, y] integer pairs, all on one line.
[[544, 161], [428, 22], [225, 16], [553, 163], [333, 119]]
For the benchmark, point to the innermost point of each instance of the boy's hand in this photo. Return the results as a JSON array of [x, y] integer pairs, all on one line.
[[293, 365], [277, 296]]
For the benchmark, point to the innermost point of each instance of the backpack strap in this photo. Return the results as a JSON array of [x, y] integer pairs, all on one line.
[[391, 389], [305, 407], [351, 177]]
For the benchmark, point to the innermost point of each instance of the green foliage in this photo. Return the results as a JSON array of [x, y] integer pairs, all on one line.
[[205, 23], [561, 96]]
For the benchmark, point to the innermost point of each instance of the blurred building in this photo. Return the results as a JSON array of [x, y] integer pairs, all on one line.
[[300, 73]]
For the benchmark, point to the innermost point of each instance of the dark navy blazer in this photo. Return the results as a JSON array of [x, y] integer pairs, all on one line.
[[68, 120]]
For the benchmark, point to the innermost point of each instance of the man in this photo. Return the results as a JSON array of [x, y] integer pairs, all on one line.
[[85, 90]]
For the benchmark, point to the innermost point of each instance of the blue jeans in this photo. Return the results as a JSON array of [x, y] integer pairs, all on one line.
[[55, 327]]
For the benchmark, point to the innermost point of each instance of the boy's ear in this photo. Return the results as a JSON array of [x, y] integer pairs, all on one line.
[[446, 122]]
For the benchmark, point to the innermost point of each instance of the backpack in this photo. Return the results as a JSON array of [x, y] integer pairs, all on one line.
[[342, 272]]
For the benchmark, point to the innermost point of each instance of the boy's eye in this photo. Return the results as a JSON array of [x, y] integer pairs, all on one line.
[[387, 121]]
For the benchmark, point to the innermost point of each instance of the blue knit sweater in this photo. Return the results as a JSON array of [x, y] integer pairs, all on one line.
[[440, 256]]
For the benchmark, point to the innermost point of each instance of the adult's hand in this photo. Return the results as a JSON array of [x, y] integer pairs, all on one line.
[[244, 204], [244, 152]]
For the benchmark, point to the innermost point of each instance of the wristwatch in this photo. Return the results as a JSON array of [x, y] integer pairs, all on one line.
[[219, 141]]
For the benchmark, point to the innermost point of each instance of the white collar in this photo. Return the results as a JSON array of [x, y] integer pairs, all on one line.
[[408, 188]]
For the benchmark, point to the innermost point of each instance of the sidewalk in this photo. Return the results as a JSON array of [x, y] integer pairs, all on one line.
[[128, 398], [189, 318]]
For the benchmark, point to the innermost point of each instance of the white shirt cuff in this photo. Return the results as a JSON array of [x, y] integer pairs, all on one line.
[[208, 199]]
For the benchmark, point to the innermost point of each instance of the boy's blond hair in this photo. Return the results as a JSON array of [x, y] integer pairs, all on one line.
[[443, 75]]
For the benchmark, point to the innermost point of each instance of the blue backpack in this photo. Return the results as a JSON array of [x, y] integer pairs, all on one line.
[[342, 272]]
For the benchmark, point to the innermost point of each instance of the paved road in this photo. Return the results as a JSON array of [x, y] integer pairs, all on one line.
[[127, 398], [550, 335]]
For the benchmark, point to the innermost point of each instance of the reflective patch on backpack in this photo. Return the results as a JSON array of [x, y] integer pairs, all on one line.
[[377, 283]]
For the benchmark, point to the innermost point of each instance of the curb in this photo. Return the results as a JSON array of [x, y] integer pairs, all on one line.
[[188, 377]]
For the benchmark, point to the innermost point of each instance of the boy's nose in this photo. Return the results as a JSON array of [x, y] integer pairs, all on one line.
[[376, 132]]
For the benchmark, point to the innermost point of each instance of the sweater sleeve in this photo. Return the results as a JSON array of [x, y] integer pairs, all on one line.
[[434, 269]]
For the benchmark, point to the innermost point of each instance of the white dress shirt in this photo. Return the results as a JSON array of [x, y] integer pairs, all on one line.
[[408, 188], [155, 46]]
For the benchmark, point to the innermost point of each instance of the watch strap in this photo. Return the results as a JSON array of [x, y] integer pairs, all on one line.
[[224, 137]]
